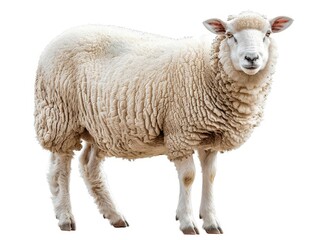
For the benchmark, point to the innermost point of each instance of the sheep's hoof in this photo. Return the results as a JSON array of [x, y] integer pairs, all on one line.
[[120, 224], [190, 230], [68, 226], [214, 230]]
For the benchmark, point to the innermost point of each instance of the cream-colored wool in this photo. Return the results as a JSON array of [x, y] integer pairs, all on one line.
[[248, 20], [140, 95]]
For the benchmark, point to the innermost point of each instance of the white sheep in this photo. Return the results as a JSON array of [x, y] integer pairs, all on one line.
[[131, 95]]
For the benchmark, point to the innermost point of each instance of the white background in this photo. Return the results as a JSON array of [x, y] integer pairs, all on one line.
[[267, 189]]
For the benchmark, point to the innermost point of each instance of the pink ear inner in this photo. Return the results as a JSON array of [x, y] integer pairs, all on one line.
[[218, 27], [279, 24]]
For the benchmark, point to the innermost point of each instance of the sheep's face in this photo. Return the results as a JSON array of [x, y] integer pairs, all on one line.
[[248, 38], [249, 49]]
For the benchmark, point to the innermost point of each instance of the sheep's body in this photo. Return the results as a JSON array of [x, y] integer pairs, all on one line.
[[129, 94], [138, 95]]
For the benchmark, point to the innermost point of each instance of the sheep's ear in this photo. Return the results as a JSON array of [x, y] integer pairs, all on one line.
[[279, 24], [215, 25]]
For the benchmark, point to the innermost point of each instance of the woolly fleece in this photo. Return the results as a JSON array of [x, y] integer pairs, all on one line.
[[137, 95]]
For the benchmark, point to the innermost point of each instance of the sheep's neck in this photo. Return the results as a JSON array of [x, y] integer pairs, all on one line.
[[239, 101]]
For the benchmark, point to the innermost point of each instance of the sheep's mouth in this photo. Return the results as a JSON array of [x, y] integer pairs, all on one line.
[[251, 67]]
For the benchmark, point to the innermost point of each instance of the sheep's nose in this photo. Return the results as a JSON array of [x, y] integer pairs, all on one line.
[[252, 57]]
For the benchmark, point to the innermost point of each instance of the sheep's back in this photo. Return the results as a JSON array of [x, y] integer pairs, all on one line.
[[124, 91]]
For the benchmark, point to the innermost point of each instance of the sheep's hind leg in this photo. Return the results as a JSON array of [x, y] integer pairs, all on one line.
[[59, 178], [90, 165], [207, 208], [184, 213]]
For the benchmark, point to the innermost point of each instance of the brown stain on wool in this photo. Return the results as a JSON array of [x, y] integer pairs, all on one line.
[[188, 179], [212, 177]]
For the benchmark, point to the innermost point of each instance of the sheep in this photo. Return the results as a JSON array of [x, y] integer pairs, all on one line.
[[132, 95]]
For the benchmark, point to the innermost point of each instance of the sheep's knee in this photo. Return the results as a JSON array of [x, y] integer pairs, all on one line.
[[186, 170], [188, 179]]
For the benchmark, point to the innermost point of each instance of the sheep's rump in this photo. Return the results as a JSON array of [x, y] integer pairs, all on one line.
[[110, 82]]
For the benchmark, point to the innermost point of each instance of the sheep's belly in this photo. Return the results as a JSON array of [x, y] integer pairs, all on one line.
[[134, 148]]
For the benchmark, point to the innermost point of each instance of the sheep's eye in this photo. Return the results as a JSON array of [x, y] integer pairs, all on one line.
[[268, 33], [229, 35]]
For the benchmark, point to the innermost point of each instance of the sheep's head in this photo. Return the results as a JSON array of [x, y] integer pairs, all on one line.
[[248, 37]]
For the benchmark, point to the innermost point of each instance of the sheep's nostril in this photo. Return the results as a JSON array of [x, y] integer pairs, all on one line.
[[248, 58], [251, 59]]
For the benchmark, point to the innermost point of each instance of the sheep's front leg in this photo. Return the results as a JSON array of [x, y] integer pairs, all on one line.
[[90, 165], [59, 178], [184, 213], [207, 208]]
